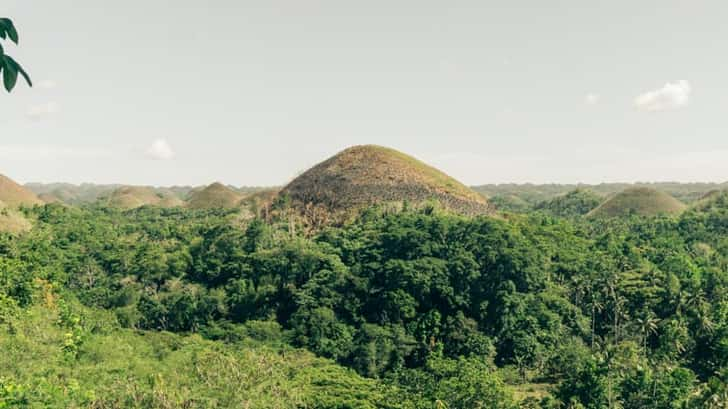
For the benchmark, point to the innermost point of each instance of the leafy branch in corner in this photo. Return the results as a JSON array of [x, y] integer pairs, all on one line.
[[8, 66]]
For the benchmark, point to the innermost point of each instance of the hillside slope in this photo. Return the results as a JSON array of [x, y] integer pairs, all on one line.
[[214, 196], [712, 199], [12, 221], [14, 195], [368, 174], [132, 197], [640, 201], [49, 198], [109, 367]]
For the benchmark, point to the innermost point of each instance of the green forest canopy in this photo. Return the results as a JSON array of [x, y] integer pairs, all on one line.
[[400, 309]]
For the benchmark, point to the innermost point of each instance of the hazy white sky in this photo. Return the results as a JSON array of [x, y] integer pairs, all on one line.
[[253, 92]]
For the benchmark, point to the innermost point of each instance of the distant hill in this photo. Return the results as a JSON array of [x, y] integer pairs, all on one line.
[[49, 198], [91, 193], [169, 201], [510, 203], [73, 194], [366, 175], [13, 195], [712, 199], [261, 200], [511, 197], [575, 203], [131, 197], [537, 193], [214, 196], [639, 201]]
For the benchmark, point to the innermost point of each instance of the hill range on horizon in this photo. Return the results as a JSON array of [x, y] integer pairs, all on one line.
[[524, 193], [363, 175], [353, 161]]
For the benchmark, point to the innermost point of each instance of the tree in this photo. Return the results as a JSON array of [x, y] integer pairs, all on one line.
[[648, 326], [8, 66]]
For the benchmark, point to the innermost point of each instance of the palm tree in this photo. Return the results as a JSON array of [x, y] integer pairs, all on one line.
[[595, 305], [618, 302], [718, 400], [648, 326]]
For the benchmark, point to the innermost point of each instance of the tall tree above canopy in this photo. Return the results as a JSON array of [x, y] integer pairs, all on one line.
[[8, 66]]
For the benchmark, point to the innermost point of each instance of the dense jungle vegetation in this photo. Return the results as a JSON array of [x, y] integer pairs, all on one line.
[[413, 308]]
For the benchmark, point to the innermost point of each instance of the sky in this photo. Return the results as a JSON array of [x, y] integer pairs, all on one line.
[[179, 92]]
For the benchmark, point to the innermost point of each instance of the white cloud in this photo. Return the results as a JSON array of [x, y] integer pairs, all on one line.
[[592, 99], [160, 149], [40, 111], [671, 96]]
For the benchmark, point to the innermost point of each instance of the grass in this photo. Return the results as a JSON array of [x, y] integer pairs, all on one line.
[[417, 169], [638, 201], [369, 174], [714, 198], [132, 197], [535, 391], [14, 195], [110, 367], [12, 221], [214, 196]]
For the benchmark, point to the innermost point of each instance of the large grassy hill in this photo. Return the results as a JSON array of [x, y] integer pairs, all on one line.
[[712, 199], [214, 196], [365, 175], [132, 197], [533, 194], [14, 195], [640, 201]]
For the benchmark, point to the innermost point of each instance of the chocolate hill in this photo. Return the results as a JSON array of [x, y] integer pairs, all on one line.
[[365, 175], [640, 201], [214, 196]]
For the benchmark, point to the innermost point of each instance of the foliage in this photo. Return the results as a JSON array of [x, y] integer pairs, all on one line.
[[8, 66], [404, 309], [573, 204]]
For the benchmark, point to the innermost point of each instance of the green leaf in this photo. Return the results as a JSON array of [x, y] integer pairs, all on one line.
[[10, 75], [7, 27], [14, 64], [2, 52], [25, 76]]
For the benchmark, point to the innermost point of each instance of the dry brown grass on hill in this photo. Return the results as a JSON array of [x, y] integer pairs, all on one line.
[[638, 201], [49, 198], [214, 196], [366, 175], [259, 203], [131, 197], [169, 201], [14, 195], [12, 221]]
